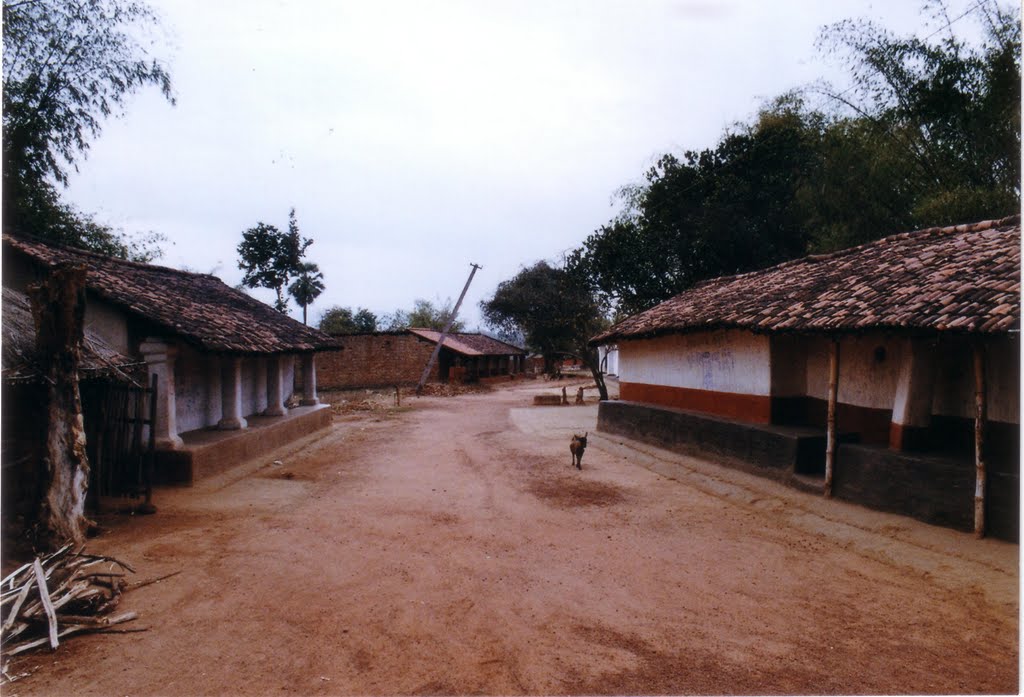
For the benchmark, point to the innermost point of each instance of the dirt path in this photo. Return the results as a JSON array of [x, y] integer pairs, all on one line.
[[450, 549]]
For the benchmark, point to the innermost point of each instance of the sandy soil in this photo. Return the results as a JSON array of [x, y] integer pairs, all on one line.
[[449, 548]]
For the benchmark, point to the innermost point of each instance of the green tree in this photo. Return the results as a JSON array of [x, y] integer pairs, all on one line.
[[424, 315], [554, 310], [68, 65], [270, 258], [711, 213], [937, 118], [365, 321], [307, 286], [341, 320], [927, 134]]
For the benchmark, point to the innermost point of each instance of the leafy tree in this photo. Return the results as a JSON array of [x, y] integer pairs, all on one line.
[[67, 66], [365, 321], [341, 320], [949, 112], [554, 310], [307, 286], [714, 212], [270, 258], [928, 134], [424, 315]]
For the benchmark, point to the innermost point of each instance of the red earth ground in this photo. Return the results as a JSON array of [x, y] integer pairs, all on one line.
[[447, 547]]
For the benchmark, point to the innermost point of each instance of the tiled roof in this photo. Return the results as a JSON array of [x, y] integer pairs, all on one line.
[[200, 308], [470, 344], [964, 278]]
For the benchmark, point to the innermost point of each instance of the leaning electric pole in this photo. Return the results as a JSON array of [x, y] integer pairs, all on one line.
[[444, 332]]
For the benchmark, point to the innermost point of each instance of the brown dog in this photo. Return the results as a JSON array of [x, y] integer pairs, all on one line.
[[576, 448]]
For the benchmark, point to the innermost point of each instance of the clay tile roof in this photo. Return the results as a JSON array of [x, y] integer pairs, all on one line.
[[200, 308], [964, 278], [470, 344]]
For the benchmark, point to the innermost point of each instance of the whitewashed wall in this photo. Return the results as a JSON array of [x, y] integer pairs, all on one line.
[[248, 386], [866, 377], [954, 384], [719, 361], [108, 322], [191, 388]]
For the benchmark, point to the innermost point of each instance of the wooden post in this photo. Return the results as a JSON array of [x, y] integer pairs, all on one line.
[[830, 426], [147, 507], [980, 416], [444, 332]]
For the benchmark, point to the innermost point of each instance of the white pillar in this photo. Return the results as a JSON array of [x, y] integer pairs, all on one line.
[[261, 385], [231, 395], [912, 404], [309, 380], [159, 356], [275, 387]]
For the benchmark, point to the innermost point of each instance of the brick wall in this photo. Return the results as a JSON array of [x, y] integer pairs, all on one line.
[[375, 360]]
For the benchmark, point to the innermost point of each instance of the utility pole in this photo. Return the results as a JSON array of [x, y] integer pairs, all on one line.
[[444, 333]]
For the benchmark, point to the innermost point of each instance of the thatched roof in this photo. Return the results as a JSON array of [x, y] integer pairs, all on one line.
[[19, 358], [953, 279]]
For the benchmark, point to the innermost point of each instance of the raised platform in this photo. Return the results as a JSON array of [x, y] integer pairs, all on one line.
[[209, 451], [794, 454], [934, 488]]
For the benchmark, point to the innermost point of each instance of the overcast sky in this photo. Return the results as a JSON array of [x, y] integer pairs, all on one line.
[[414, 138]]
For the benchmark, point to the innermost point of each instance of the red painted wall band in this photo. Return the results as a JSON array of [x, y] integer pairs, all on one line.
[[743, 407]]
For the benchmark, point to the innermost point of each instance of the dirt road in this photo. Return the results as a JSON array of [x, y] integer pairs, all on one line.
[[449, 548]]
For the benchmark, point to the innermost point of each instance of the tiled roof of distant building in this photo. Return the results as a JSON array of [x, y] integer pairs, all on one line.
[[470, 344]]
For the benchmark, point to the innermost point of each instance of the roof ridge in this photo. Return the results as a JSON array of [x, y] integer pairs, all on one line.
[[16, 237], [980, 226]]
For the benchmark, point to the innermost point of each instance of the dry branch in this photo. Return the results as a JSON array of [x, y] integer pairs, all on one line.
[[150, 581], [44, 596], [74, 593]]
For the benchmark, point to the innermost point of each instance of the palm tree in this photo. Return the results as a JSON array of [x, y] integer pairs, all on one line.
[[307, 286]]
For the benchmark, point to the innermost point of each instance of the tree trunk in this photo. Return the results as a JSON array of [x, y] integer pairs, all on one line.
[[594, 363], [58, 308]]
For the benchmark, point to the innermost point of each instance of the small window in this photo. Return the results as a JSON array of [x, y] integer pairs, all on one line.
[[880, 354]]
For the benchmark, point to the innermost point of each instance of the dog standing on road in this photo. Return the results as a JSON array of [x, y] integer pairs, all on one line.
[[576, 448]]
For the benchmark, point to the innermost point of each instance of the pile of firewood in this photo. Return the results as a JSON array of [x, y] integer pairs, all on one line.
[[67, 592]]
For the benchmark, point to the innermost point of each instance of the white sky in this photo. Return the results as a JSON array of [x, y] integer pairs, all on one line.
[[416, 137]]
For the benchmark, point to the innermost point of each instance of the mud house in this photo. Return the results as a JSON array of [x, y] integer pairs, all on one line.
[[900, 335], [387, 359], [224, 363]]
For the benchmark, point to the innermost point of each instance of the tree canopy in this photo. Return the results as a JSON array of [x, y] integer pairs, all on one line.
[[307, 286], [342, 320], [928, 133], [554, 310], [68, 65], [271, 258], [424, 315], [711, 213]]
